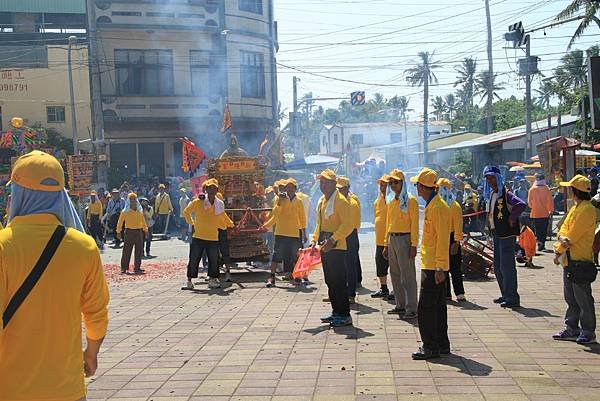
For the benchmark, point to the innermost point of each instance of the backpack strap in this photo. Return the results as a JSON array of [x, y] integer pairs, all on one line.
[[35, 274]]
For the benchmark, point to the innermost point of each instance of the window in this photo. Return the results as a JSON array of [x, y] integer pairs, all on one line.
[[187, 15], [252, 74], [159, 14], [396, 137], [199, 63], [126, 14], [324, 141], [335, 139], [56, 114], [144, 72], [252, 6]]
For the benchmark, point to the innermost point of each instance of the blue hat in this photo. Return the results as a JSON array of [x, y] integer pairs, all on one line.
[[491, 170]]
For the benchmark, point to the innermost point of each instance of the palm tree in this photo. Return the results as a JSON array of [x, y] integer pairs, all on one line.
[[466, 78], [422, 75], [450, 105], [483, 82], [545, 93], [438, 107], [589, 7]]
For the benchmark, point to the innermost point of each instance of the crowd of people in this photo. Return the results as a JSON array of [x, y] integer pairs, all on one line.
[[45, 242]]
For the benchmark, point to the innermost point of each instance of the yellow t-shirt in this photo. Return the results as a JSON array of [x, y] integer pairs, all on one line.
[[41, 354], [162, 204], [436, 235], [132, 219], [338, 223], [288, 217], [355, 211], [206, 223], [579, 227], [456, 223], [403, 222], [94, 208], [380, 211]]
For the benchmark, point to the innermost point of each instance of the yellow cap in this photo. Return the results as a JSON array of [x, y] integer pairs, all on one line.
[[578, 182], [269, 190], [38, 171], [210, 182], [397, 175], [93, 193], [278, 183], [342, 182], [444, 182], [327, 174], [161, 186], [383, 179], [292, 181], [426, 177], [132, 196], [468, 186]]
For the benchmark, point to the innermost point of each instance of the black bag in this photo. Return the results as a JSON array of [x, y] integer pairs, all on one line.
[[35, 274], [581, 271]]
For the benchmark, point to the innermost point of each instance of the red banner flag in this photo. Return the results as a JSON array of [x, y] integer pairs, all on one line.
[[227, 121], [192, 156]]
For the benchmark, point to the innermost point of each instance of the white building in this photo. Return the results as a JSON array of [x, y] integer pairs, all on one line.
[[361, 140]]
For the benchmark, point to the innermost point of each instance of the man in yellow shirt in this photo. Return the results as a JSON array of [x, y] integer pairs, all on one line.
[[208, 217], [94, 212], [401, 239], [41, 354], [162, 208], [381, 263], [574, 250], [132, 220], [333, 226], [435, 263], [352, 256], [290, 231], [456, 234]]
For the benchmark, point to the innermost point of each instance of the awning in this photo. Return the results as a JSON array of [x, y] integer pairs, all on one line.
[[313, 161]]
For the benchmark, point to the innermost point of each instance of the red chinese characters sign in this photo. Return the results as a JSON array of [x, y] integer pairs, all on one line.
[[236, 166]]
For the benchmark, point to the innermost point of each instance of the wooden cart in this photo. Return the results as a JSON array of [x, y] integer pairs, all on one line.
[[477, 258]]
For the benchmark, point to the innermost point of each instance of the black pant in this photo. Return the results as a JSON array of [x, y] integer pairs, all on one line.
[[541, 229], [352, 262], [148, 239], [381, 263], [286, 251], [96, 228], [112, 221], [161, 223], [455, 272], [224, 247], [334, 269], [197, 248], [433, 316]]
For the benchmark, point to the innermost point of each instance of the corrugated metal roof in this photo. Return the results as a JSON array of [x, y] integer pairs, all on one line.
[[509, 134], [43, 6], [439, 141]]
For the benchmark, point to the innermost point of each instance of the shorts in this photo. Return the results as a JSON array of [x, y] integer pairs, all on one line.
[[381, 263]]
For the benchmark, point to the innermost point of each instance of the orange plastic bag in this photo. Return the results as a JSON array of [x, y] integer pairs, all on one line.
[[308, 260]]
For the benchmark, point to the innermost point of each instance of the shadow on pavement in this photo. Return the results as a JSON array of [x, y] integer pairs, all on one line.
[[467, 305], [352, 333], [363, 309], [317, 330], [465, 365], [533, 312], [592, 348]]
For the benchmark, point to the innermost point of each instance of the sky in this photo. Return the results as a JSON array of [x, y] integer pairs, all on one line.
[[372, 42]]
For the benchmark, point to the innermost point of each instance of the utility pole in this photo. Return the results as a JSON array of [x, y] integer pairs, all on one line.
[[294, 124], [97, 115], [529, 151], [72, 41], [489, 104]]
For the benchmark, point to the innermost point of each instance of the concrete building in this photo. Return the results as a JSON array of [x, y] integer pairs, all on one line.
[[34, 81], [168, 69], [361, 140]]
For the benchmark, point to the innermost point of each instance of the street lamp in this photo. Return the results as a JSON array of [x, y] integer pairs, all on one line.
[[72, 41]]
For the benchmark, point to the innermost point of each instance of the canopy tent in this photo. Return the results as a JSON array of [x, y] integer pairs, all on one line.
[[313, 161]]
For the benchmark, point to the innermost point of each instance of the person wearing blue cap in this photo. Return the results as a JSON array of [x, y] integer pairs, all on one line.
[[503, 211]]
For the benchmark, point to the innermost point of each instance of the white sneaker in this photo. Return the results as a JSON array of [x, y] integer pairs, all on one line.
[[189, 285], [461, 298], [214, 283]]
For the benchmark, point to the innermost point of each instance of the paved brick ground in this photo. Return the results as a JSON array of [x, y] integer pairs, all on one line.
[[247, 342]]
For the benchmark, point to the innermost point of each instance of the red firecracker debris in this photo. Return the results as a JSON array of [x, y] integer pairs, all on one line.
[[153, 271]]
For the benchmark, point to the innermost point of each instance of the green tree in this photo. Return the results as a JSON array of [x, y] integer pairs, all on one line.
[[466, 79], [422, 75], [544, 95], [450, 105], [438, 107], [461, 162], [482, 85], [589, 7]]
